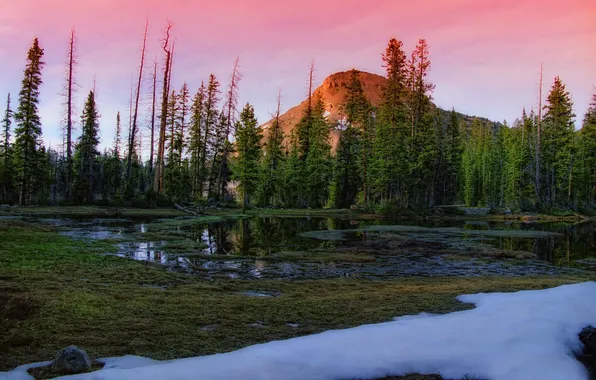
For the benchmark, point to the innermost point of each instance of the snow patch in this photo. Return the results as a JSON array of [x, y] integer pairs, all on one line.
[[508, 336]]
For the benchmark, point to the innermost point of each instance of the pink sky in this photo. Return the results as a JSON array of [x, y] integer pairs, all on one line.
[[485, 55]]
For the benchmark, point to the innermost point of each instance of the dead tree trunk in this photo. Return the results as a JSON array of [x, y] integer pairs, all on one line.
[[159, 167], [152, 149], [133, 132], [69, 110]]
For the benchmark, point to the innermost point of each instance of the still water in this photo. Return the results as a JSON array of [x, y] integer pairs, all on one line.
[[274, 247]]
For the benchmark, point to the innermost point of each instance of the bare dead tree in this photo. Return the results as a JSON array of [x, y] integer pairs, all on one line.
[[130, 113], [231, 106], [159, 167], [311, 74], [154, 90], [133, 132], [69, 92], [278, 109]]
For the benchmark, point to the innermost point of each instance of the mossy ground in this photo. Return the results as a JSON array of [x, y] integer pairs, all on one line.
[[56, 292], [92, 211]]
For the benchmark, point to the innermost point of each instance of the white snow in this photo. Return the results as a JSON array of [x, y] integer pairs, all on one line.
[[508, 336]]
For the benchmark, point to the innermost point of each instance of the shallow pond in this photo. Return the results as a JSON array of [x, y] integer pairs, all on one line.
[[313, 248]]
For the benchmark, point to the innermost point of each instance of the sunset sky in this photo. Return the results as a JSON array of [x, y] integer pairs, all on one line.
[[485, 55]]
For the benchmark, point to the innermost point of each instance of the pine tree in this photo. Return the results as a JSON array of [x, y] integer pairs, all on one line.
[[352, 156], [451, 159], [528, 145], [6, 167], [195, 139], [230, 111], [219, 147], [557, 145], [587, 144], [211, 116], [346, 174], [419, 87], [182, 119], [272, 181], [318, 169], [28, 131], [390, 160], [424, 136], [173, 172], [113, 166], [291, 174], [86, 153], [305, 124], [248, 145]]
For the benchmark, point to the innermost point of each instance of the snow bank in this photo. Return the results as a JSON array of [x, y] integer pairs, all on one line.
[[508, 336]]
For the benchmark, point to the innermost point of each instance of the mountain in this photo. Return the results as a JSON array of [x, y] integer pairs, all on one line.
[[333, 91]]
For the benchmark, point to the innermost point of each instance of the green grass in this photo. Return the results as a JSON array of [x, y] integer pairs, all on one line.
[[56, 292], [92, 211]]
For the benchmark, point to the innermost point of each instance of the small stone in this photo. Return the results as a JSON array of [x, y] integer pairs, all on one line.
[[354, 208], [71, 360], [209, 328]]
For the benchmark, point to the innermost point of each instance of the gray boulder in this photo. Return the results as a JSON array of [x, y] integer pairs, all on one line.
[[71, 360], [588, 338]]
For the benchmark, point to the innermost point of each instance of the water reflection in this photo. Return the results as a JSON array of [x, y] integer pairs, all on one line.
[[254, 246], [261, 237]]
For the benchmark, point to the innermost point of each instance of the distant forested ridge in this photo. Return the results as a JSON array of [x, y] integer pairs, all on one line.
[[396, 151]]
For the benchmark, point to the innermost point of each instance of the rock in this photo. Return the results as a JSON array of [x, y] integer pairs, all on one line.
[[71, 360], [354, 208], [588, 358], [588, 338]]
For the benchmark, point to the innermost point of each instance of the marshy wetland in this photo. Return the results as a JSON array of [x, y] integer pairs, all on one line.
[[303, 248], [169, 286]]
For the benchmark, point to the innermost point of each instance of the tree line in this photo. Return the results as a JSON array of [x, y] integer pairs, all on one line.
[[403, 153]]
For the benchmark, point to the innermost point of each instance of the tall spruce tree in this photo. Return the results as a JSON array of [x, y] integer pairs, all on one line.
[[271, 185], [182, 120], [86, 153], [587, 136], [28, 131], [303, 127], [352, 156], [223, 176], [291, 172], [450, 160], [557, 145], [248, 145], [390, 160], [211, 116], [112, 166], [424, 136], [195, 139], [318, 166]]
